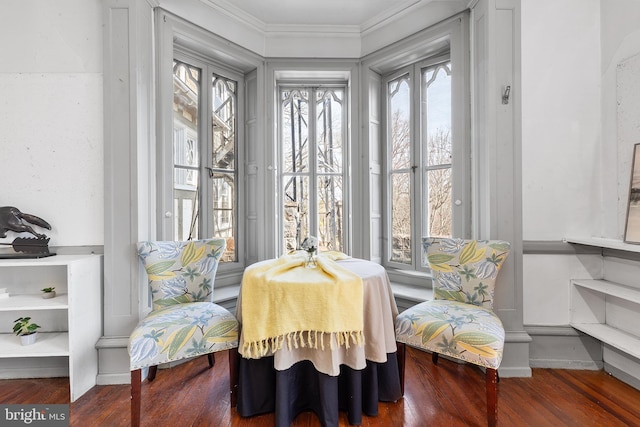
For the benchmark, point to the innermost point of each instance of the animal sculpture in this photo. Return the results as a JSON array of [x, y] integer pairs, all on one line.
[[11, 219]]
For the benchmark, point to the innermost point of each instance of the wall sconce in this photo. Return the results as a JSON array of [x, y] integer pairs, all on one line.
[[505, 95]]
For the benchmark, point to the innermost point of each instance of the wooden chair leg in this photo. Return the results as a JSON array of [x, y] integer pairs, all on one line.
[[401, 354], [136, 385], [212, 359], [434, 358], [233, 376], [492, 396], [152, 372]]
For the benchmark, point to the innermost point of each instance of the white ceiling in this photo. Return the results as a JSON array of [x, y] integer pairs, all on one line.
[[354, 14]]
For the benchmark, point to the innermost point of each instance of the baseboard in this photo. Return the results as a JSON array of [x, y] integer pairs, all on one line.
[[113, 379], [34, 372], [622, 376], [562, 347]]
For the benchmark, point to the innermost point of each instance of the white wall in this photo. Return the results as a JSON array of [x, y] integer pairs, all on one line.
[[620, 22], [560, 117], [576, 168], [51, 129]]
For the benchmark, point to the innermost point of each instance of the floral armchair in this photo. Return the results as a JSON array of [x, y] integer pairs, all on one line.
[[459, 322], [184, 322]]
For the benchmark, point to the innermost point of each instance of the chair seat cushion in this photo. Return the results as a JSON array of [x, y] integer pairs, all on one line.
[[462, 331], [181, 331]]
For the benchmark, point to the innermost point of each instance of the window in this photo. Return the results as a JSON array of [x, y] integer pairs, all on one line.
[[421, 161], [313, 175], [205, 150]]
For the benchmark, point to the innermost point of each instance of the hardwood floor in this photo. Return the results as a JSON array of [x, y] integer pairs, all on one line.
[[444, 395]]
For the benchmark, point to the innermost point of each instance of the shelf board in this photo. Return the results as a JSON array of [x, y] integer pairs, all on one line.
[[604, 243], [610, 288], [55, 260], [615, 337], [33, 302], [48, 344]]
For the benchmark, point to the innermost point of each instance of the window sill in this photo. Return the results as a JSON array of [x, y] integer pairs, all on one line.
[[413, 293]]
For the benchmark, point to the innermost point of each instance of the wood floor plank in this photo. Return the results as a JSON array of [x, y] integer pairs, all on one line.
[[447, 394]]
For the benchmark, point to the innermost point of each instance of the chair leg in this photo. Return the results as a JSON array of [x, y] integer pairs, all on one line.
[[233, 376], [136, 380], [492, 396], [434, 358], [152, 373], [212, 359], [401, 354]]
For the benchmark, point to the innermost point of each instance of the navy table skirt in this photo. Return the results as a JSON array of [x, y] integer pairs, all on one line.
[[301, 388]]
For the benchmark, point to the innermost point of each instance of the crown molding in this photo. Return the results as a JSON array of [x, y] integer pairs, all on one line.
[[234, 12], [384, 18]]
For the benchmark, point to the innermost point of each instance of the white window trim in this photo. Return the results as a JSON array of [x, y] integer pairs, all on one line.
[[313, 173], [449, 37], [182, 40]]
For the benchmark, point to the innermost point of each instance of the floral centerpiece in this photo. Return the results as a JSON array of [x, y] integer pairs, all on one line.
[[310, 245]]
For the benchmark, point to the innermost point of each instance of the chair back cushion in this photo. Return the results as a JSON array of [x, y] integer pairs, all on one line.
[[465, 270], [181, 272]]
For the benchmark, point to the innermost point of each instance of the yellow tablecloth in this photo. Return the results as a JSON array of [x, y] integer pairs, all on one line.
[[379, 313], [288, 305]]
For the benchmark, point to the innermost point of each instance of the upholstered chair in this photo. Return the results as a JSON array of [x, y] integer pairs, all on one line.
[[184, 322], [459, 322]]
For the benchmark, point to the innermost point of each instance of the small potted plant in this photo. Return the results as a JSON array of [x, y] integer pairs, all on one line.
[[48, 292], [26, 330]]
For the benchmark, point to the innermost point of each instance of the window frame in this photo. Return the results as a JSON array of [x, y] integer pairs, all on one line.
[[181, 40], [455, 50], [208, 67], [311, 85]]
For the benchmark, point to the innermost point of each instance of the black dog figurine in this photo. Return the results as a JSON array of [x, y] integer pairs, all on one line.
[[11, 220]]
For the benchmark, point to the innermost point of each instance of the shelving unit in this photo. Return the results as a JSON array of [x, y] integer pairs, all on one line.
[[591, 304], [71, 323], [601, 242], [608, 307]]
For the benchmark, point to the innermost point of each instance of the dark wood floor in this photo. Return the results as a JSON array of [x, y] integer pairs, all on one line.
[[444, 395]]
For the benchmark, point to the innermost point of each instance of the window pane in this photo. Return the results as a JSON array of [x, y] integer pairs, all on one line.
[[330, 213], [296, 211], [401, 218], [295, 118], [223, 123], [223, 160], [437, 221], [400, 135], [224, 212], [436, 114], [329, 130], [186, 158]]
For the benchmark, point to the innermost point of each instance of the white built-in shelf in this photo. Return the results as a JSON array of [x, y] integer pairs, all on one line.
[[621, 340], [48, 344], [610, 288], [592, 304], [604, 243], [33, 302]]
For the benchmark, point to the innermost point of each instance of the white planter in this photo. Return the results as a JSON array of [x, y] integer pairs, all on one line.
[[47, 295], [28, 339]]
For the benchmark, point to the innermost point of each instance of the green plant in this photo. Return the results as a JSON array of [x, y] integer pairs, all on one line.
[[24, 326], [48, 289]]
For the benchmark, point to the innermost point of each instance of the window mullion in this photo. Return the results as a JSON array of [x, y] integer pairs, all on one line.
[[416, 163], [313, 173], [205, 129]]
